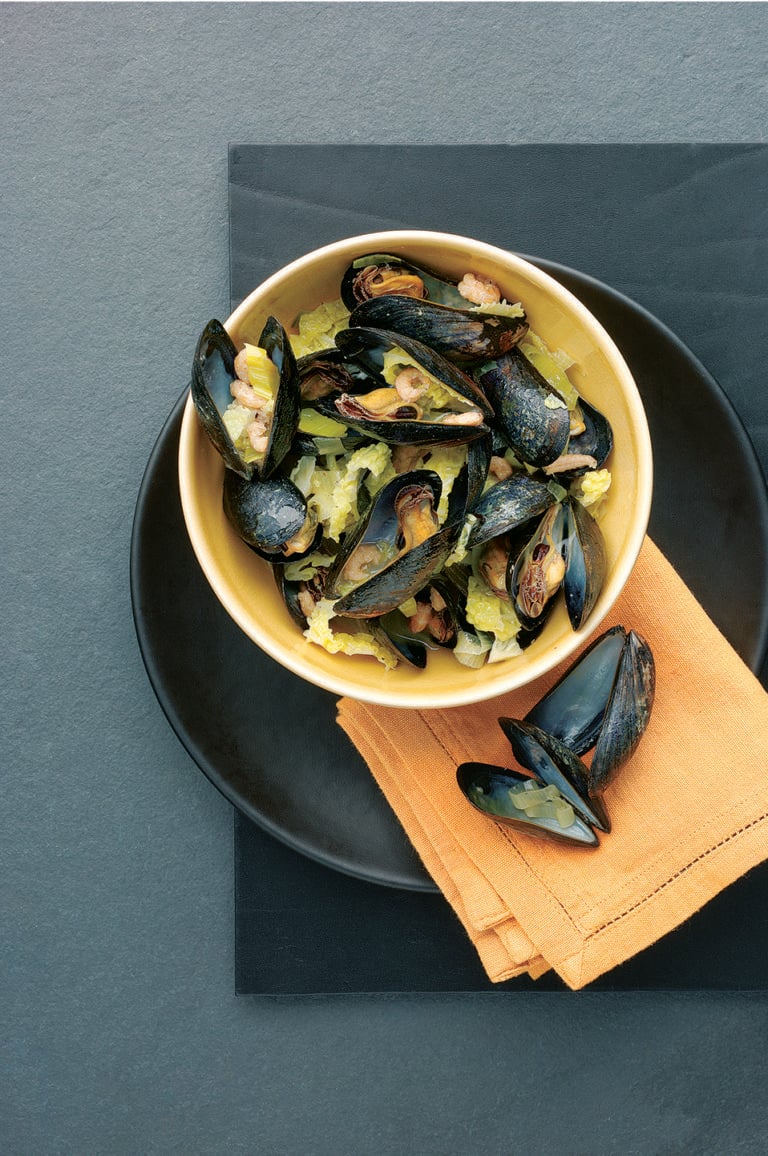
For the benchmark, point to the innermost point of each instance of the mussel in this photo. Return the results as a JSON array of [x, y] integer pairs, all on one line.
[[461, 335], [567, 549], [595, 441], [382, 274], [508, 504], [271, 516], [533, 418], [586, 562], [536, 574], [323, 373], [436, 622], [524, 803], [431, 401], [214, 375], [604, 701], [554, 763], [397, 546]]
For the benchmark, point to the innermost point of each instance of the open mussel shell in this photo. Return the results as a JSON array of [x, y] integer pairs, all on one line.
[[368, 346], [461, 335], [442, 603], [556, 764], [508, 504], [533, 417], [535, 575], [627, 713], [573, 710], [494, 791], [213, 371], [271, 516], [586, 562], [285, 420], [382, 274], [323, 373], [212, 374], [604, 700], [412, 567], [595, 441]]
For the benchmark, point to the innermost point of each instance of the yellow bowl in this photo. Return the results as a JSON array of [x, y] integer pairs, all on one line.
[[244, 584]]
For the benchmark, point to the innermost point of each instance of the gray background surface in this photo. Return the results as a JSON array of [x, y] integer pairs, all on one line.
[[121, 1032]]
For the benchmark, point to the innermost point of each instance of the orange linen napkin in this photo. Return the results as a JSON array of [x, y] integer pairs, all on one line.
[[689, 811]]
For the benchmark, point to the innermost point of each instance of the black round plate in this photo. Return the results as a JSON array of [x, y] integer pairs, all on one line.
[[269, 741]]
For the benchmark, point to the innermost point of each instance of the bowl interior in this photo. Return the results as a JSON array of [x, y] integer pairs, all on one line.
[[245, 584]]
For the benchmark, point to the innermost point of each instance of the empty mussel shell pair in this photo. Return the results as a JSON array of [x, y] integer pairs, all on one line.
[[603, 701]]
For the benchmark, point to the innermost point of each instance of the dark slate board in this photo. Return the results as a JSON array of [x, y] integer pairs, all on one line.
[[677, 229]]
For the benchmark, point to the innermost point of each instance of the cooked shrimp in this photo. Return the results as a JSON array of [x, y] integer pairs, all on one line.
[[411, 384], [570, 462], [241, 365], [258, 435], [500, 468], [471, 417], [243, 393], [479, 290]]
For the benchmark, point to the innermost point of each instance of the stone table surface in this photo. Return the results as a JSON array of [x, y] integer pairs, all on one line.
[[119, 1028]]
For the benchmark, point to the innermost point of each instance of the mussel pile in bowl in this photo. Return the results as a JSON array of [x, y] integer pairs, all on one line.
[[414, 462]]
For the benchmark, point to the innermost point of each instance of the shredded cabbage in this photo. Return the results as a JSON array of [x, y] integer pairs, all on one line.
[[319, 631], [333, 490], [471, 649], [489, 613], [500, 309], [447, 461], [591, 490], [550, 365], [459, 552], [318, 328]]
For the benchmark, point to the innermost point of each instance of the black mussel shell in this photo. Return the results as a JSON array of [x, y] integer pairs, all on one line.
[[405, 576], [573, 710], [368, 346], [479, 454], [488, 789], [554, 763], [586, 563], [447, 619], [507, 505], [212, 374], [404, 278], [323, 373], [380, 524], [410, 645], [460, 334], [522, 401], [535, 576], [627, 713], [268, 515], [402, 428], [285, 420], [213, 371], [596, 440]]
